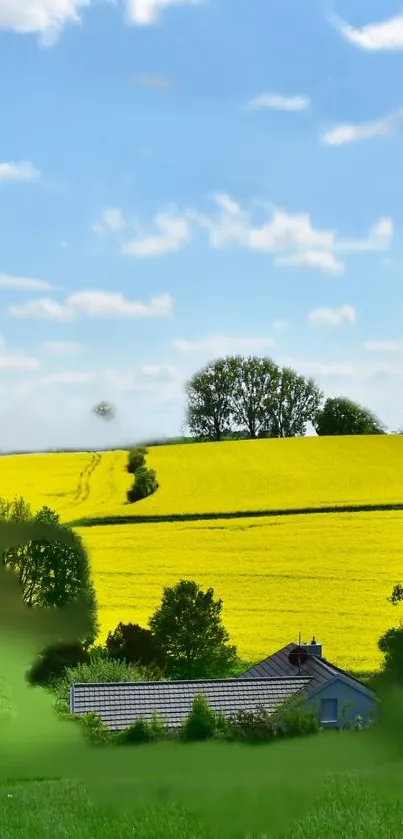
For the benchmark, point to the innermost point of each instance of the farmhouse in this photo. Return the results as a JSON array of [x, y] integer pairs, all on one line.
[[329, 686], [294, 671]]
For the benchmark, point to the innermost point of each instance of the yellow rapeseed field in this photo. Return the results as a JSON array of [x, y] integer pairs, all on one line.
[[324, 574], [215, 477]]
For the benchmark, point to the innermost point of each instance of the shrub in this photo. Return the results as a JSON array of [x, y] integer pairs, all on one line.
[[293, 720], [139, 732], [130, 642], [145, 484], [157, 727], [100, 668], [136, 459], [201, 723], [95, 730], [358, 723], [53, 660], [252, 726]]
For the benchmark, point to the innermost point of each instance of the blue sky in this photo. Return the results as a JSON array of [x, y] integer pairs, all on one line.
[[182, 179]]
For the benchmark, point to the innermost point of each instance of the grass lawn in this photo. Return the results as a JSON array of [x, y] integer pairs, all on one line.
[[336, 785]]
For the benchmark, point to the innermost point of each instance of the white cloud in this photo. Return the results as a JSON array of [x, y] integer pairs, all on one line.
[[379, 239], [291, 237], [174, 232], [23, 283], [384, 35], [222, 345], [352, 133], [23, 171], [18, 362], [322, 260], [344, 369], [61, 347], [147, 12], [384, 346], [280, 103], [45, 18], [112, 220], [284, 231], [93, 304], [332, 317]]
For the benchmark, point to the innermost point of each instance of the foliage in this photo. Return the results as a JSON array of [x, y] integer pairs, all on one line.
[[95, 730], [296, 403], [130, 642], [292, 719], [136, 459], [255, 391], [209, 395], [139, 732], [201, 722], [53, 660], [391, 644], [100, 668], [252, 726], [344, 417], [251, 393], [145, 484], [187, 626], [50, 573]]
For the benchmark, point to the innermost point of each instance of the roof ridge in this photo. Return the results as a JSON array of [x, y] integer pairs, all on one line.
[[194, 681]]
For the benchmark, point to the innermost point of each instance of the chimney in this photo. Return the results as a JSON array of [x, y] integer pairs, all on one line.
[[313, 648]]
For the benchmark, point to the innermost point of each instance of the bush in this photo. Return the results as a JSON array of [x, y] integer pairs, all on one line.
[[139, 732], [201, 724], [100, 668], [95, 730], [145, 484], [252, 726], [136, 459], [158, 728], [292, 720], [53, 660], [130, 642]]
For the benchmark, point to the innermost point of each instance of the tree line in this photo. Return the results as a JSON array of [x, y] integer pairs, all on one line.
[[253, 397]]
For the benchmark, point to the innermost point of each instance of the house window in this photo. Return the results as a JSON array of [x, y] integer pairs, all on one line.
[[328, 710]]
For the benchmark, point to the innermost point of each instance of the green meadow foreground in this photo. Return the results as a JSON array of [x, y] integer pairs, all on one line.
[[336, 785]]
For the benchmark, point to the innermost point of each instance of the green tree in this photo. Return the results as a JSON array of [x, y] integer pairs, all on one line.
[[342, 416], [295, 404], [130, 642], [187, 626], [209, 400], [145, 484], [136, 459], [391, 644], [50, 572], [255, 392]]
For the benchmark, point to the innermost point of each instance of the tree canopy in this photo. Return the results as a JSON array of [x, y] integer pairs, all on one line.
[[251, 394], [342, 416], [130, 642], [187, 626], [50, 572]]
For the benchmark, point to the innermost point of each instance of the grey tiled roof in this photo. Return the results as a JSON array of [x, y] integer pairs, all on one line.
[[120, 704], [318, 668]]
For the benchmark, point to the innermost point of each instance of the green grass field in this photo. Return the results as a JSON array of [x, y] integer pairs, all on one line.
[[336, 785]]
